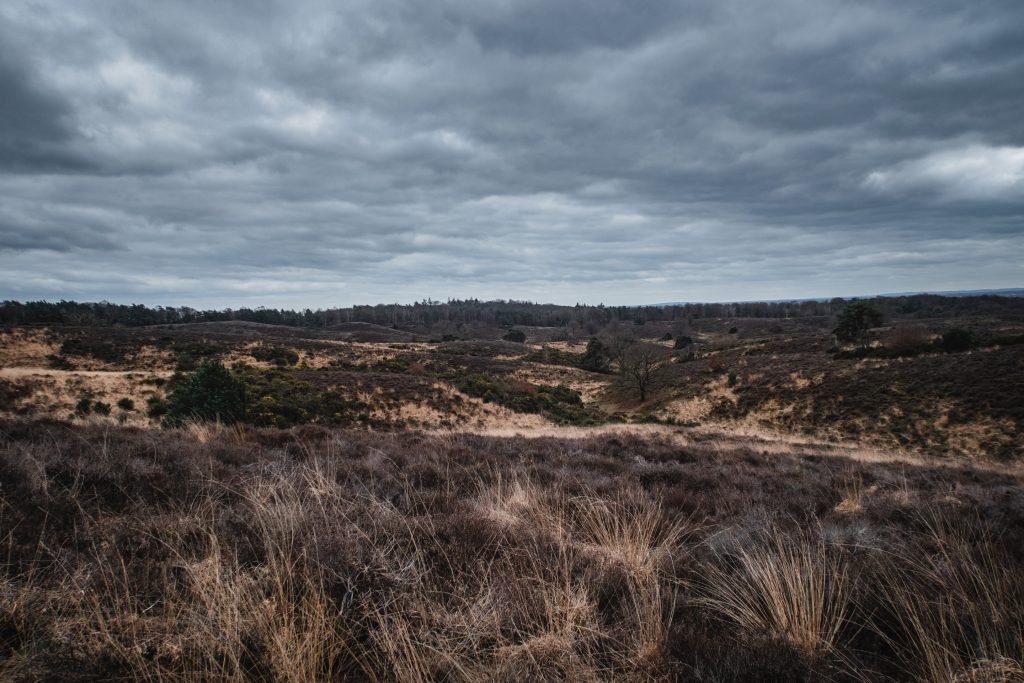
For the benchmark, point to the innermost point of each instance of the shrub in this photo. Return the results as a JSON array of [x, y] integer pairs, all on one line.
[[957, 339], [396, 364], [559, 403], [732, 378], [91, 348], [126, 403], [682, 341], [58, 362], [733, 330], [551, 356], [275, 354], [84, 406], [907, 340], [101, 408], [156, 407], [11, 393], [191, 354], [209, 393], [276, 399], [716, 364], [517, 336]]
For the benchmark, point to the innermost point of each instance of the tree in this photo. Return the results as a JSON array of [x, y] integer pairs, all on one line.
[[855, 320], [642, 367], [595, 359], [212, 392]]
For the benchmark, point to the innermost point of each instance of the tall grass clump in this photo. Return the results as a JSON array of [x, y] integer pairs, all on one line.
[[788, 586], [954, 604], [209, 615]]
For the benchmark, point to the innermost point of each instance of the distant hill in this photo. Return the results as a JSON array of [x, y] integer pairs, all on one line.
[[1011, 292], [967, 292]]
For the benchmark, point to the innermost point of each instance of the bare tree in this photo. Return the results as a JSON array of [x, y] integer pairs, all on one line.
[[643, 367]]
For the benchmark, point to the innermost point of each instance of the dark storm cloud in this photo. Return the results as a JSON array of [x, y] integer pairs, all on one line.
[[309, 153], [34, 124]]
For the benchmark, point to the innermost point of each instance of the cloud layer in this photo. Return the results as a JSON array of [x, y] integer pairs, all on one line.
[[317, 153]]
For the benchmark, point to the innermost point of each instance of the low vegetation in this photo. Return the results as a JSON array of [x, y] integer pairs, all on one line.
[[218, 553], [699, 493], [559, 403]]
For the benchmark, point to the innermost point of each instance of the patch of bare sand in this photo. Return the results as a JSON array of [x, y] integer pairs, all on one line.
[[567, 346], [698, 408], [590, 388], [458, 411]]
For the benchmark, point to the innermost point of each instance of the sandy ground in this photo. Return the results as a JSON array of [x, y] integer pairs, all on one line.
[[56, 392]]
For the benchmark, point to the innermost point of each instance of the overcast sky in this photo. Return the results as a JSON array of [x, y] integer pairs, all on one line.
[[318, 153]]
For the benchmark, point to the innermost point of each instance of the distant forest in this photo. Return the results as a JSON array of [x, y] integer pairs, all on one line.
[[497, 313]]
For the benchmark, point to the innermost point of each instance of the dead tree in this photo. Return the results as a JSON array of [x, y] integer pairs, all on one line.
[[643, 367]]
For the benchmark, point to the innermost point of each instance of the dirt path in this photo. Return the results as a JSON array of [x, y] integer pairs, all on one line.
[[17, 372]]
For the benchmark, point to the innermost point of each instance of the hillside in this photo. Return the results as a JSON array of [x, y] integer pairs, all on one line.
[[902, 390]]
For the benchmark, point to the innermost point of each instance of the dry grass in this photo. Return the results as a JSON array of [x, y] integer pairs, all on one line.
[[786, 586], [958, 609], [215, 617], [230, 554], [530, 615]]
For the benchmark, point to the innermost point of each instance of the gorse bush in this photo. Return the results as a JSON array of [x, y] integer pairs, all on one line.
[[266, 398], [277, 399], [212, 392]]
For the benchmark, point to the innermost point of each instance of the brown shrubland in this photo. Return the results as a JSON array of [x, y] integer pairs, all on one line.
[[242, 554]]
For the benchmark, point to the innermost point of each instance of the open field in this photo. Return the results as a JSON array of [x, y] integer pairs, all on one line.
[[215, 553]]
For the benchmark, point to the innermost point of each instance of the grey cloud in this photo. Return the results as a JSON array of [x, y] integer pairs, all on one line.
[[311, 153], [34, 124]]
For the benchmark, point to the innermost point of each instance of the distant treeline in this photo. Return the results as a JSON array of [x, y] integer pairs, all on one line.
[[498, 313]]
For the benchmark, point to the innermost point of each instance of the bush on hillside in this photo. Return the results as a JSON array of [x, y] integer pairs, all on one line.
[[856, 319], [517, 336], [957, 339], [212, 392]]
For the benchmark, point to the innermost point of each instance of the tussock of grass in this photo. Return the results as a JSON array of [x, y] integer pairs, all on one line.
[[957, 609], [786, 586]]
